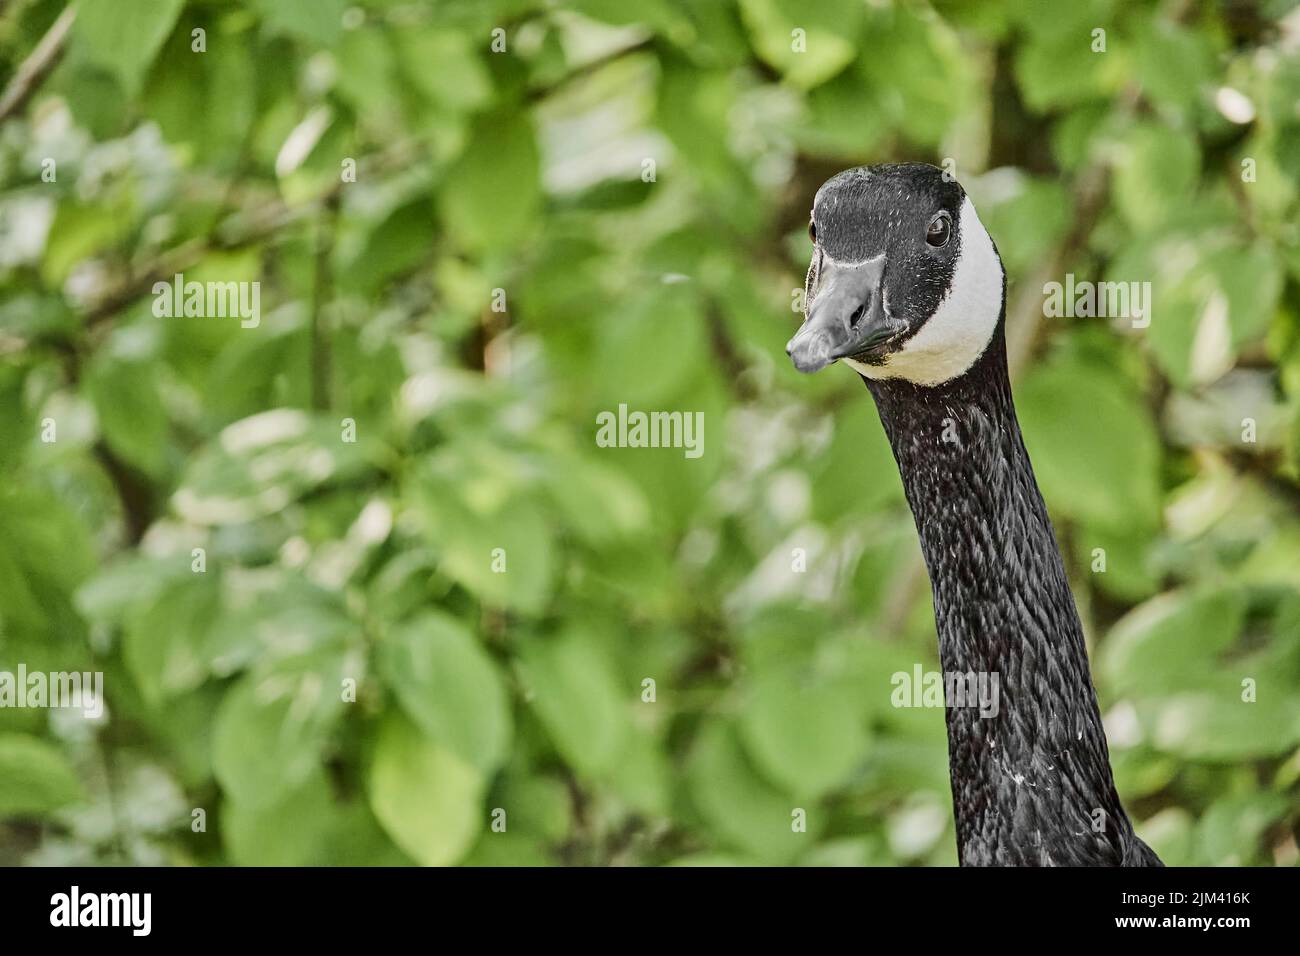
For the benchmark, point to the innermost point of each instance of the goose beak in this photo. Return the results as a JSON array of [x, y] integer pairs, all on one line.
[[847, 316]]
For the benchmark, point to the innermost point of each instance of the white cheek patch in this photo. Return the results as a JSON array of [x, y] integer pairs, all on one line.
[[961, 328]]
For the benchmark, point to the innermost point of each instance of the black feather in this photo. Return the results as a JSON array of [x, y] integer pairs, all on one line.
[[1031, 785]]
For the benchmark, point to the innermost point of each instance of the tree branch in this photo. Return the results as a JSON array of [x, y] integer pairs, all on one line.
[[588, 69], [259, 225], [322, 290], [33, 70]]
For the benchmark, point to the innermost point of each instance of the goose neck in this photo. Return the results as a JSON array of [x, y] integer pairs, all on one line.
[[1004, 614]]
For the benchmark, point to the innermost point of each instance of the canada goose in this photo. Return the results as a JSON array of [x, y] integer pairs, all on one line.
[[907, 288]]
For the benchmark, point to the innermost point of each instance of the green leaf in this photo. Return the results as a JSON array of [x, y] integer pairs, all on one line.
[[599, 503], [262, 463], [272, 616], [1030, 216], [96, 99], [449, 686], [740, 806], [661, 15], [287, 832], [1140, 773], [427, 799], [578, 698], [45, 553], [129, 580], [1189, 340], [499, 547], [858, 447], [124, 35], [536, 805], [79, 232], [650, 350], [396, 245], [849, 851], [806, 737], [1095, 450], [165, 641], [1172, 642], [508, 850], [642, 775], [272, 728], [1055, 63], [1170, 834], [366, 58], [1229, 833], [1209, 304], [1220, 726], [1129, 572], [459, 82], [940, 83], [1173, 63], [35, 777], [490, 195], [693, 105], [808, 43], [844, 119], [1250, 278], [1155, 174], [900, 765], [132, 416], [317, 22], [206, 101]]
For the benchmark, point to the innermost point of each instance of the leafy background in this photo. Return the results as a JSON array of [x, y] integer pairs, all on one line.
[[329, 561]]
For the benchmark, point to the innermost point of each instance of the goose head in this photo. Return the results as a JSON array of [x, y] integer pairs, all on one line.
[[904, 282]]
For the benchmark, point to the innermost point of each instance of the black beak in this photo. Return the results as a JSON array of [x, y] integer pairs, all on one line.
[[847, 316]]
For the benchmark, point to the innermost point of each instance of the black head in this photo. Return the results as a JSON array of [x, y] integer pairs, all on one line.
[[904, 280]]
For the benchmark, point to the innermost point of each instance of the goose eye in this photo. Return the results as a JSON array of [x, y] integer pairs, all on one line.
[[939, 230], [812, 230]]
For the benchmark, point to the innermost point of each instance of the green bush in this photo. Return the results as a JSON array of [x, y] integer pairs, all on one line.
[[364, 588]]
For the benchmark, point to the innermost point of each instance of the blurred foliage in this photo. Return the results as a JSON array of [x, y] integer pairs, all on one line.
[[328, 561]]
